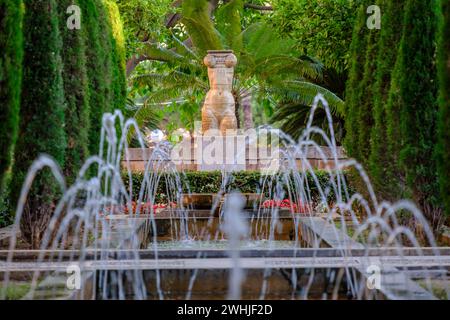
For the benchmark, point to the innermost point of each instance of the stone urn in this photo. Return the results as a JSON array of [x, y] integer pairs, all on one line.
[[218, 112]]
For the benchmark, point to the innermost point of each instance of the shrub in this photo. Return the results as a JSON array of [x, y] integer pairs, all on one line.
[[244, 181]]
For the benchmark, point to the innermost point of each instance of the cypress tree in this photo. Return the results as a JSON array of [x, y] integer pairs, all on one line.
[[364, 113], [76, 92], [41, 116], [98, 68], [354, 89], [444, 106], [118, 63], [11, 55], [412, 110], [106, 43], [379, 160]]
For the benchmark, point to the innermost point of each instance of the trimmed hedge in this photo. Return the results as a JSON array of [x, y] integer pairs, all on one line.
[[11, 55], [76, 92], [244, 181], [41, 116]]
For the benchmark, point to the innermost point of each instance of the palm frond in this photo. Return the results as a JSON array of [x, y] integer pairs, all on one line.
[[293, 118], [155, 52], [170, 79], [184, 49], [262, 41], [195, 16], [296, 99], [228, 20], [284, 66], [146, 117], [304, 93]]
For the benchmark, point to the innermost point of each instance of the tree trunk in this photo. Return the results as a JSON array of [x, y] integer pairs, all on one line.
[[248, 112], [236, 112]]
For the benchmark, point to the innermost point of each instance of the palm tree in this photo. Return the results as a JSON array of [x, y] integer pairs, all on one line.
[[294, 101], [268, 65]]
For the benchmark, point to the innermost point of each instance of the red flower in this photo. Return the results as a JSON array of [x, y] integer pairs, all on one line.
[[286, 203]]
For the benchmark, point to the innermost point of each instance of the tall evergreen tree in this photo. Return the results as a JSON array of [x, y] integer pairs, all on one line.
[[11, 55], [444, 104], [98, 67], [355, 91], [364, 113], [392, 21], [41, 116], [412, 109], [76, 92], [118, 56]]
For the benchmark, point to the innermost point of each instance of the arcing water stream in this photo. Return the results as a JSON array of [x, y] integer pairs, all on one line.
[[106, 225]]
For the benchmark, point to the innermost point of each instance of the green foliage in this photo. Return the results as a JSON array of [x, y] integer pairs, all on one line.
[[228, 18], [76, 93], [109, 71], [244, 181], [416, 88], [196, 18], [293, 112], [380, 158], [444, 103], [98, 68], [355, 91], [11, 48], [105, 54], [16, 291], [143, 20], [118, 54], [364, 109], [41, 115], [274, 70], [322, 29]]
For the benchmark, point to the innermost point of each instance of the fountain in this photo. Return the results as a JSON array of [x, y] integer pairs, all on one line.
[[300, 235]]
